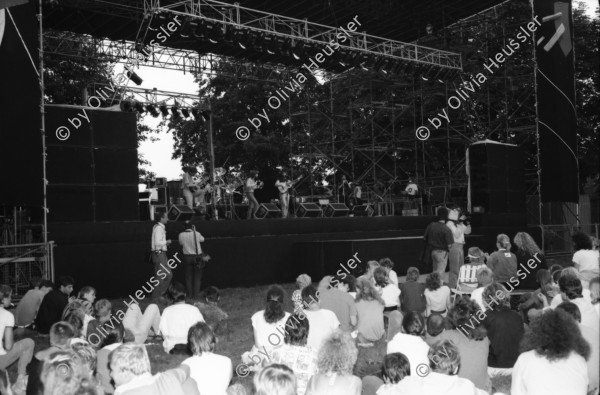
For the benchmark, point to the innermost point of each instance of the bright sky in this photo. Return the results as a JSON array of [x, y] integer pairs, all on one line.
[[159, 153]]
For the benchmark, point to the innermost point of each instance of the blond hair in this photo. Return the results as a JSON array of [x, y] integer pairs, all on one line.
[[130, 357]]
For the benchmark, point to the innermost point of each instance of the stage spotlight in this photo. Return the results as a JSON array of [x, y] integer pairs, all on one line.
[[139, 107], [185, 112], [229, 34], [205, 115], [126, 105], [196, 114], [164, 110], [242, 38], [215, 35], [362, 66], [298, 50], [152, 110], [175, 111], [272, 48], [424, 78], [188, 27], [134, 77]]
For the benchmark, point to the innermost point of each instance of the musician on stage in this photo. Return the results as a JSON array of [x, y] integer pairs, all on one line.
[[203, 189], [251, 186], [411, 189], [284, 185], [346, 190], [188, 185]]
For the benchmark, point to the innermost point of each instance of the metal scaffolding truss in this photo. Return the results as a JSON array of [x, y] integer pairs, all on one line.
[[152, 96], [393, 54]]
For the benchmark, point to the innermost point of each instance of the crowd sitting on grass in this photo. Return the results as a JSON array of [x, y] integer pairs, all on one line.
[[436, 340]]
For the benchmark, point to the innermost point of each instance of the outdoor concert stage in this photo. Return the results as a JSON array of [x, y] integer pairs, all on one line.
[[111, 255]]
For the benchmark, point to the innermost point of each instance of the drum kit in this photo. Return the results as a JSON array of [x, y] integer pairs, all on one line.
[[228, 186]]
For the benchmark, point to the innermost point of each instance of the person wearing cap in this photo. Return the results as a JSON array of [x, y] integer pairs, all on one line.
[[503, 262], [459, 226], [467, 278]]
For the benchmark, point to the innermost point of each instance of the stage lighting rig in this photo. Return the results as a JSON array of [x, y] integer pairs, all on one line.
[[139, 107], [152, 110], [185, 112], [164, 110], [133, 76], [196, 114]]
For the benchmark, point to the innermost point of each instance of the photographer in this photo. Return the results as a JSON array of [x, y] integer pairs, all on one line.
[[193, 259], [459, 224]]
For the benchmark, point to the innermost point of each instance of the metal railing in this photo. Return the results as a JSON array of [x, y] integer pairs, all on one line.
[[19, 263]]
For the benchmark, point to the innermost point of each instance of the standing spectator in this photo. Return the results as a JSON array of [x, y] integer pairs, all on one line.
[[585, 259], [29, 305], [412, 297], [390, 293], [159, 244], [212, 372], [369, 306], [11, 351], [529, 256], [322, 322], [504, 330], [388, 264], [275, 379], [485, 277], [459, 226], [295, 354], [503, 262], [438, 239], [469, 336], [302, 281], [437, 296], [190, 241], [410, 341], [177, 319], [335, 365], [340, 302], [54, 304], [553, 357]]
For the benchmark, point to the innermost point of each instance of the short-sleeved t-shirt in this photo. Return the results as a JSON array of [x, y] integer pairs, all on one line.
[[176, 321], [265, 331], [28, 306], [321, 324], [390, 294], [342, 304], [302, 360], [504, 265], [7, 320], [473, 357], [370, 319], [587, 261], [437, 300], [438, 236]]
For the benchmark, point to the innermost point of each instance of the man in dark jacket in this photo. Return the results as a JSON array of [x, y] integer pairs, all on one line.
[[53, 304]]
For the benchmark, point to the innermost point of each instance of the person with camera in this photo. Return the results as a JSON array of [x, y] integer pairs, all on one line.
[[459, 225], [194, 260]]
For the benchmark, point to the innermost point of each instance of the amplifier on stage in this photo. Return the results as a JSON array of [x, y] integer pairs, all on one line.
[[308, 210], [364, 210], [336, 210], [268, 210], [180, 212]]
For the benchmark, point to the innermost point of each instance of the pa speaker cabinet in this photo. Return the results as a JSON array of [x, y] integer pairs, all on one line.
[[180, 212], [336, 210], [364, 210], [269, 210], [308, 210]]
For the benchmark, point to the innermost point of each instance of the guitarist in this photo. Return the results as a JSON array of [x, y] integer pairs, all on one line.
[[284, 185], [188, 185], [251, 186]]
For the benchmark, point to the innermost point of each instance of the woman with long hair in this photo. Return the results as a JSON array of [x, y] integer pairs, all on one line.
[[369, 306], [553, 357], [585, 258], [437, 296], [530, 259]]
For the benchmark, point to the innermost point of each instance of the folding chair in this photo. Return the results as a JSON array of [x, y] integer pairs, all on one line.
[[467, 281]]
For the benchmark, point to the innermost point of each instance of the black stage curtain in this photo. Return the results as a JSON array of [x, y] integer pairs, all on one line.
[[556, 101]]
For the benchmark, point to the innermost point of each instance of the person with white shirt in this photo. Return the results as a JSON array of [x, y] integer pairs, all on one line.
[[212, 372], [459, 226], [437, 296], [553, 358], [410, 341], [586, 259], [112, 340], [485, 276], [177, 319], [571, 290], [159, 244], [322, 323], [390, 293], [388, 264], [190, 240]]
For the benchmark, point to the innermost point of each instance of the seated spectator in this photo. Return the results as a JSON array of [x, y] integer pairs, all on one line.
[[503, 262], [265, 323], [504, 330], [302, 281], [54, 304], [11, 351], [530, 256], [103, 316], [559, 297], [76, 319], [370, 271], [212, 313], [595, 293], [112, 340], [295, 354], [177, 319], [212, 372], [469, 336], [412, 296], [322, 322], [436, 324], [585, 259], [28, 306], [335, 364], [85, 302], [485, 277], [350, 280], [340, 302], [444, 362], [437, 296], [4, 383], [142, 325], [130, 370], [369, 307], [388, 265], [275, 379], [553, 357], [394, 368], [467, 276], [410, 341], [532, 304], [390, 293], [571, 290], [592, 336], [61, 334], [64, 373], [324, 284], [87, 355]]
